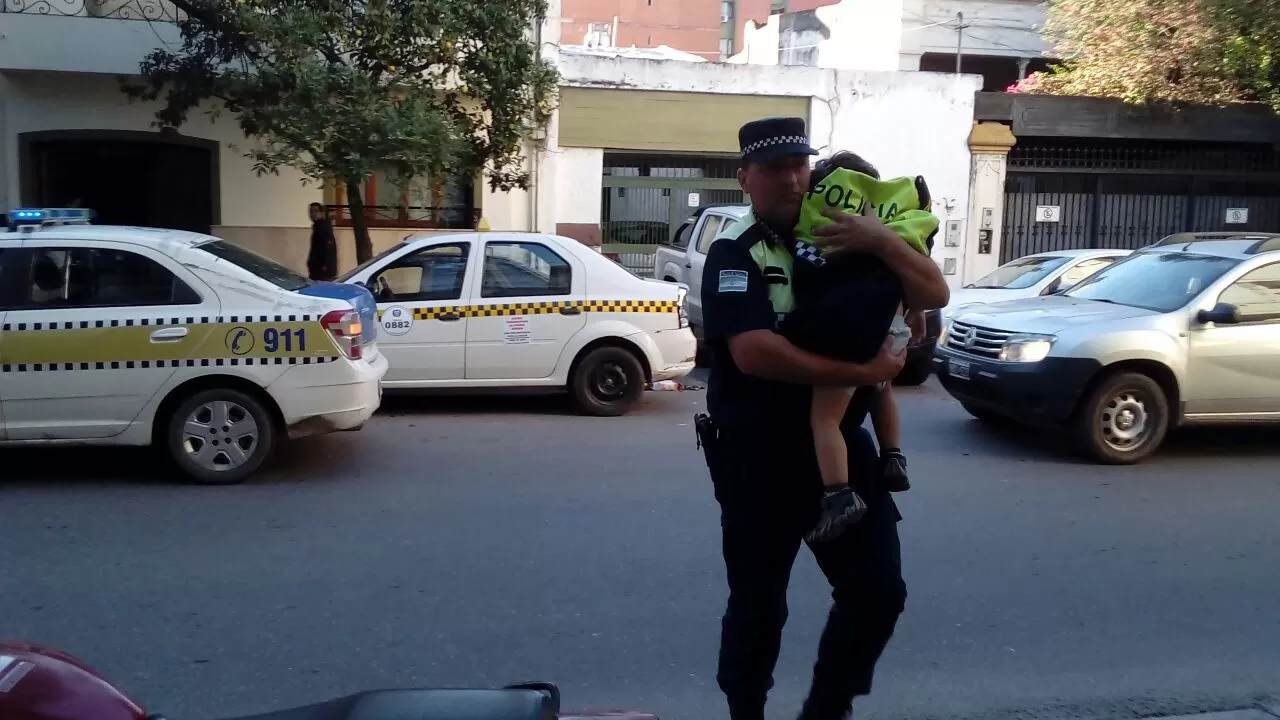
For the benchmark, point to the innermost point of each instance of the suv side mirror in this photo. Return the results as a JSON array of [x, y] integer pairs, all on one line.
[[1221, 314]]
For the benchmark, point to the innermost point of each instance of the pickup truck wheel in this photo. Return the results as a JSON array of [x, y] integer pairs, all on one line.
[[607, 382], [1124, 419], [219, 436], [915, 372]]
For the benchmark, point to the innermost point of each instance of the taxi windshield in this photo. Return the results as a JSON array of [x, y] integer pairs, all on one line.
[[268, 270], [356, 270]]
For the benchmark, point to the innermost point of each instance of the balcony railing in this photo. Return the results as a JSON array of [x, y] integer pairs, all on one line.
[[149, 10]]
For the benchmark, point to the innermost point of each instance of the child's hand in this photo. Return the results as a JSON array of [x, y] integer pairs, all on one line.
[[853, 233], [915, 321]]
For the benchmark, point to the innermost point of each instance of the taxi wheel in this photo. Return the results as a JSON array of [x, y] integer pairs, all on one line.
[[1124, 419], [607, 382], [220, 437]]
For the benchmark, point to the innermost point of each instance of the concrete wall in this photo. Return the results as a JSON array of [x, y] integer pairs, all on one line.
[[904, 123], [37, 101], [1008, 28], [267, 214], [32, 41], [689, 25]]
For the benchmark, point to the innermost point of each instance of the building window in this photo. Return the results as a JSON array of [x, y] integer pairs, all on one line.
[[421, 203]]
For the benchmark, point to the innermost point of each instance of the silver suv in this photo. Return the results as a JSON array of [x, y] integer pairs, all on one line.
[[1186, 331]]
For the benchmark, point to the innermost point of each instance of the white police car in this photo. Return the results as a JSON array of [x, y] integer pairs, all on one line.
[[141, 336]]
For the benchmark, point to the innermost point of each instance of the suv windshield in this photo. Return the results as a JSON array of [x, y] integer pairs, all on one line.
[[1160, 281], [269, 270], [1021, 273]]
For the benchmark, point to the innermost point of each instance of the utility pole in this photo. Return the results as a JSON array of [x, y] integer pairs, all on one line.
[[960, 28]]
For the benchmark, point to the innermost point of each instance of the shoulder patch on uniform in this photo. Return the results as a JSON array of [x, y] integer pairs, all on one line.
[[732, 281]]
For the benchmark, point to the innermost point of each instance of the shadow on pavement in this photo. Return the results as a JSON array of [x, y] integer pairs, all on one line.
[[410, 403], [306, 460], [1011, 439]]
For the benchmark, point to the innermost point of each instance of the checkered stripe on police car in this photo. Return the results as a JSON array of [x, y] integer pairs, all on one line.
[[153, 322], [770, 142], [161, 364]]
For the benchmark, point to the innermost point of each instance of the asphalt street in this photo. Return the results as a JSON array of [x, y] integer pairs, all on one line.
[[479, 542]]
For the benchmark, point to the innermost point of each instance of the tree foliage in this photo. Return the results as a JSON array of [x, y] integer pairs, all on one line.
[[339, 88], [1200, 51]]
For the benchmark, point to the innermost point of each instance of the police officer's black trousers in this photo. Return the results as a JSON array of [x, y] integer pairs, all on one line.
[[766, 509]]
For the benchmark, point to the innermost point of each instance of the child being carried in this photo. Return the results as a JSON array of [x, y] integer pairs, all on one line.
[[846, 306]]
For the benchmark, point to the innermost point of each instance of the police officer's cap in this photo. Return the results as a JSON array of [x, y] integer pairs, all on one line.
[[769, 139]]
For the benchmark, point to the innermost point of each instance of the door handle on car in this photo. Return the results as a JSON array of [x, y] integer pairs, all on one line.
[[449, 317], [570, 310], [170, 334], [689, 265]]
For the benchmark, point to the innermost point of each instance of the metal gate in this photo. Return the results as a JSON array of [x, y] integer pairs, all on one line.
[[1128, 194], [645, 198]]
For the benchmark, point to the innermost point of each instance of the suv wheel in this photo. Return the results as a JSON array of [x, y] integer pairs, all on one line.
[[1124, 420], [219, 436]]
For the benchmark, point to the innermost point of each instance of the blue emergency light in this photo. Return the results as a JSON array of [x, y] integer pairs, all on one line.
[[48, 216]]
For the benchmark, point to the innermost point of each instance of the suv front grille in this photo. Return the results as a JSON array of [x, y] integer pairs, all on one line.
[[975, 340]]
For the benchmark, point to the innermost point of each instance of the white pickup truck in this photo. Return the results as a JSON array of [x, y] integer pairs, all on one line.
[[682, 261]]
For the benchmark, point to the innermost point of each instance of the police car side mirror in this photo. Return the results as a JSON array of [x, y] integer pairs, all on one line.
[[1221, 314]]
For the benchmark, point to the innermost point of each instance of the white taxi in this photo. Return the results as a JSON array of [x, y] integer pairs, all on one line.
[[139, 336], [517, 311]]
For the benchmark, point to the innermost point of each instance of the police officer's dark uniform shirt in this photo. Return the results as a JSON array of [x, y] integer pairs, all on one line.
[[735, 300]]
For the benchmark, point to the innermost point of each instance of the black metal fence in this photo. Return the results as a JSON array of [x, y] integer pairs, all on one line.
[[1130, 194]]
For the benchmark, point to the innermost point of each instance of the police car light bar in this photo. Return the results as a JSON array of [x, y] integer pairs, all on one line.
[[49, 216]]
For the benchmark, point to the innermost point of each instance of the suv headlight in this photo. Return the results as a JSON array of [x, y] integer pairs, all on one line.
[[1026, 348]]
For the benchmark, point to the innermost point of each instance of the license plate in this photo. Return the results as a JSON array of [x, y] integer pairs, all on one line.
[[958, 369]]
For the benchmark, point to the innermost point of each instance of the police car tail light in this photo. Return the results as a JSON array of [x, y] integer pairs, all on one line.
[[681, 294], [345, 327]]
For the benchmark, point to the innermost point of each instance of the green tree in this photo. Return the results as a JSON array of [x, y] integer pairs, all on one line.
[[339, 88], [1200, 51]]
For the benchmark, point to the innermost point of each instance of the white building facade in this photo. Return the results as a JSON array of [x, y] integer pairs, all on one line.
[[998, 39], [641, 116], [69, 135]]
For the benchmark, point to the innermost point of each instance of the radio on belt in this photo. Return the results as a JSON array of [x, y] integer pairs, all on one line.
[[31, 218]]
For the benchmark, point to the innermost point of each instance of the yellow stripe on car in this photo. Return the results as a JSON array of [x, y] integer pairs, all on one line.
[[544, 308]]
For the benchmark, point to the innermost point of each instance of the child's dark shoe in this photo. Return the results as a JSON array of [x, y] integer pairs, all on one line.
[[840, 508], [893, 468]]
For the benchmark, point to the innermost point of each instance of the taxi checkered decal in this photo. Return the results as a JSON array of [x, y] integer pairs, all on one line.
[[546, 308], [158, 364], [151, 322]]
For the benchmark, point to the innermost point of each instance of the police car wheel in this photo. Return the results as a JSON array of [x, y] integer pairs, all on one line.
[[220, 437], [1124, 420], [607, 382]]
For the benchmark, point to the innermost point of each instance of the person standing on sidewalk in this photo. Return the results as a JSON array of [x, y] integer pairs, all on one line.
[[322, 259], [759, 447]]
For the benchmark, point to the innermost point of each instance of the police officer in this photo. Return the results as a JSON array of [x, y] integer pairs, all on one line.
[[758, 445]]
